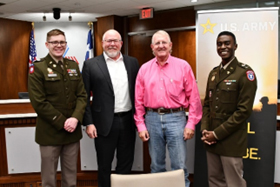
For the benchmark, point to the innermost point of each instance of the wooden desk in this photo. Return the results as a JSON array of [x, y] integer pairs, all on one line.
[[19, 113]]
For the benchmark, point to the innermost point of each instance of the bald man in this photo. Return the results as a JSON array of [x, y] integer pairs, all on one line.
[[109, 118]]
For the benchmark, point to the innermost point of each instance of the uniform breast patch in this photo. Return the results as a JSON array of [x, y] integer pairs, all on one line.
[[72, 72], [250, 75], [228, 82]]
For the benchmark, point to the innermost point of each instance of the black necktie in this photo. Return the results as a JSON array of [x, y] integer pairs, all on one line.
[[61, 65], [221, 71]]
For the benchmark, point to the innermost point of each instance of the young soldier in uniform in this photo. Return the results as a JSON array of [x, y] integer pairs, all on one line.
[[58, 96], [228, 103]]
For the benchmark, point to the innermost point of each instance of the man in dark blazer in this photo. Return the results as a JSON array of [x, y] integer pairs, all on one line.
[[230, 93], [110, 80]]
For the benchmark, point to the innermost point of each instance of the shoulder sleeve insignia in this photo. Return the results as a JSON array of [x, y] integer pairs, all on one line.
[[250, 75], [31, 69]]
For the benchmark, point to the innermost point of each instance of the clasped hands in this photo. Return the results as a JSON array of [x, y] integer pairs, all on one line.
[[70, 124], [208, 137]]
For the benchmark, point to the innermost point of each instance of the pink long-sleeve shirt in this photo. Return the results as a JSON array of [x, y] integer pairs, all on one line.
[[172, 85]]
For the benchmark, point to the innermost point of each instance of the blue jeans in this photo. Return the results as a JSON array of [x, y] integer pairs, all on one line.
[[167, 129]]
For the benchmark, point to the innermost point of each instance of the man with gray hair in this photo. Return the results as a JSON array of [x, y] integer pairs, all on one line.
[[165, 87], [110, 78]]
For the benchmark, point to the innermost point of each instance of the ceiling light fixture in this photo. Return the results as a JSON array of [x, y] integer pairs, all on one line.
[[194, 1], [70, 17], [44, 17]]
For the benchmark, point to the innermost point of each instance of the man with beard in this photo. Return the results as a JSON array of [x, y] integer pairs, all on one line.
[[228, 103], [110, 78]]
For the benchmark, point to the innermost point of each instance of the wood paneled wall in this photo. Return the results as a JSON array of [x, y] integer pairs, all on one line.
[[184, 41], [104, 24], [14, 50], [139, 47], [162, 20], [183, 47]]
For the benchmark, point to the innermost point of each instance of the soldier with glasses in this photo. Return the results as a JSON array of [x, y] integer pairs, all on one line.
[[58, 96]]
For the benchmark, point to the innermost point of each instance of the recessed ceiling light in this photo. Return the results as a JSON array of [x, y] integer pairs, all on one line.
[[194, 1]]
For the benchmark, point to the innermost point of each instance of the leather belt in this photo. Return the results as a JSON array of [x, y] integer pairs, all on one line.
[[165, 110], [121, 114]]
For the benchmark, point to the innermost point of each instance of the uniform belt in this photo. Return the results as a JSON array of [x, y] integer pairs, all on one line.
[[121, 114], [165, 110]]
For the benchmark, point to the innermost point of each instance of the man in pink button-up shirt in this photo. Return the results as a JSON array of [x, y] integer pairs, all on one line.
[[165, 87]]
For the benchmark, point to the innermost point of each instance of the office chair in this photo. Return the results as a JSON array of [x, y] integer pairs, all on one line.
[[174, 178]]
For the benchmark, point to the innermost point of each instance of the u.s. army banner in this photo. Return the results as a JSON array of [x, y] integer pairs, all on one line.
[[256, 32]]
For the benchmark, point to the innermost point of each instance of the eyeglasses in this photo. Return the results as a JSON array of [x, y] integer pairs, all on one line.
[[111, 41], [62, 43]]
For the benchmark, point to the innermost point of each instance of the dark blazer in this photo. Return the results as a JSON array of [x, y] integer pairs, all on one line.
[[98, 82], [228, 104]]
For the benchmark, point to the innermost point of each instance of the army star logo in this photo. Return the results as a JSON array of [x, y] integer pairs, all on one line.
[[208, 26]]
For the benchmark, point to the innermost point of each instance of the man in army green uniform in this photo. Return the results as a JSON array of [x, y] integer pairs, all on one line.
[[58, 96], [228, 103]]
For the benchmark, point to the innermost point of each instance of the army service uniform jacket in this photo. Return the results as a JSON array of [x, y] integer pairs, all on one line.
[[227, 105], [56, 94]]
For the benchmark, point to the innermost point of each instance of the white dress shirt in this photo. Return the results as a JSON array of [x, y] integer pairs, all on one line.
[[119, 80]]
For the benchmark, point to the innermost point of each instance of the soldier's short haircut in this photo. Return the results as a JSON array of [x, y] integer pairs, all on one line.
[[54, 32], [229, 34]]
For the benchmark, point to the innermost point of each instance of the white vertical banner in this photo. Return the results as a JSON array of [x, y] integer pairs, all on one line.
[[256, 32]]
